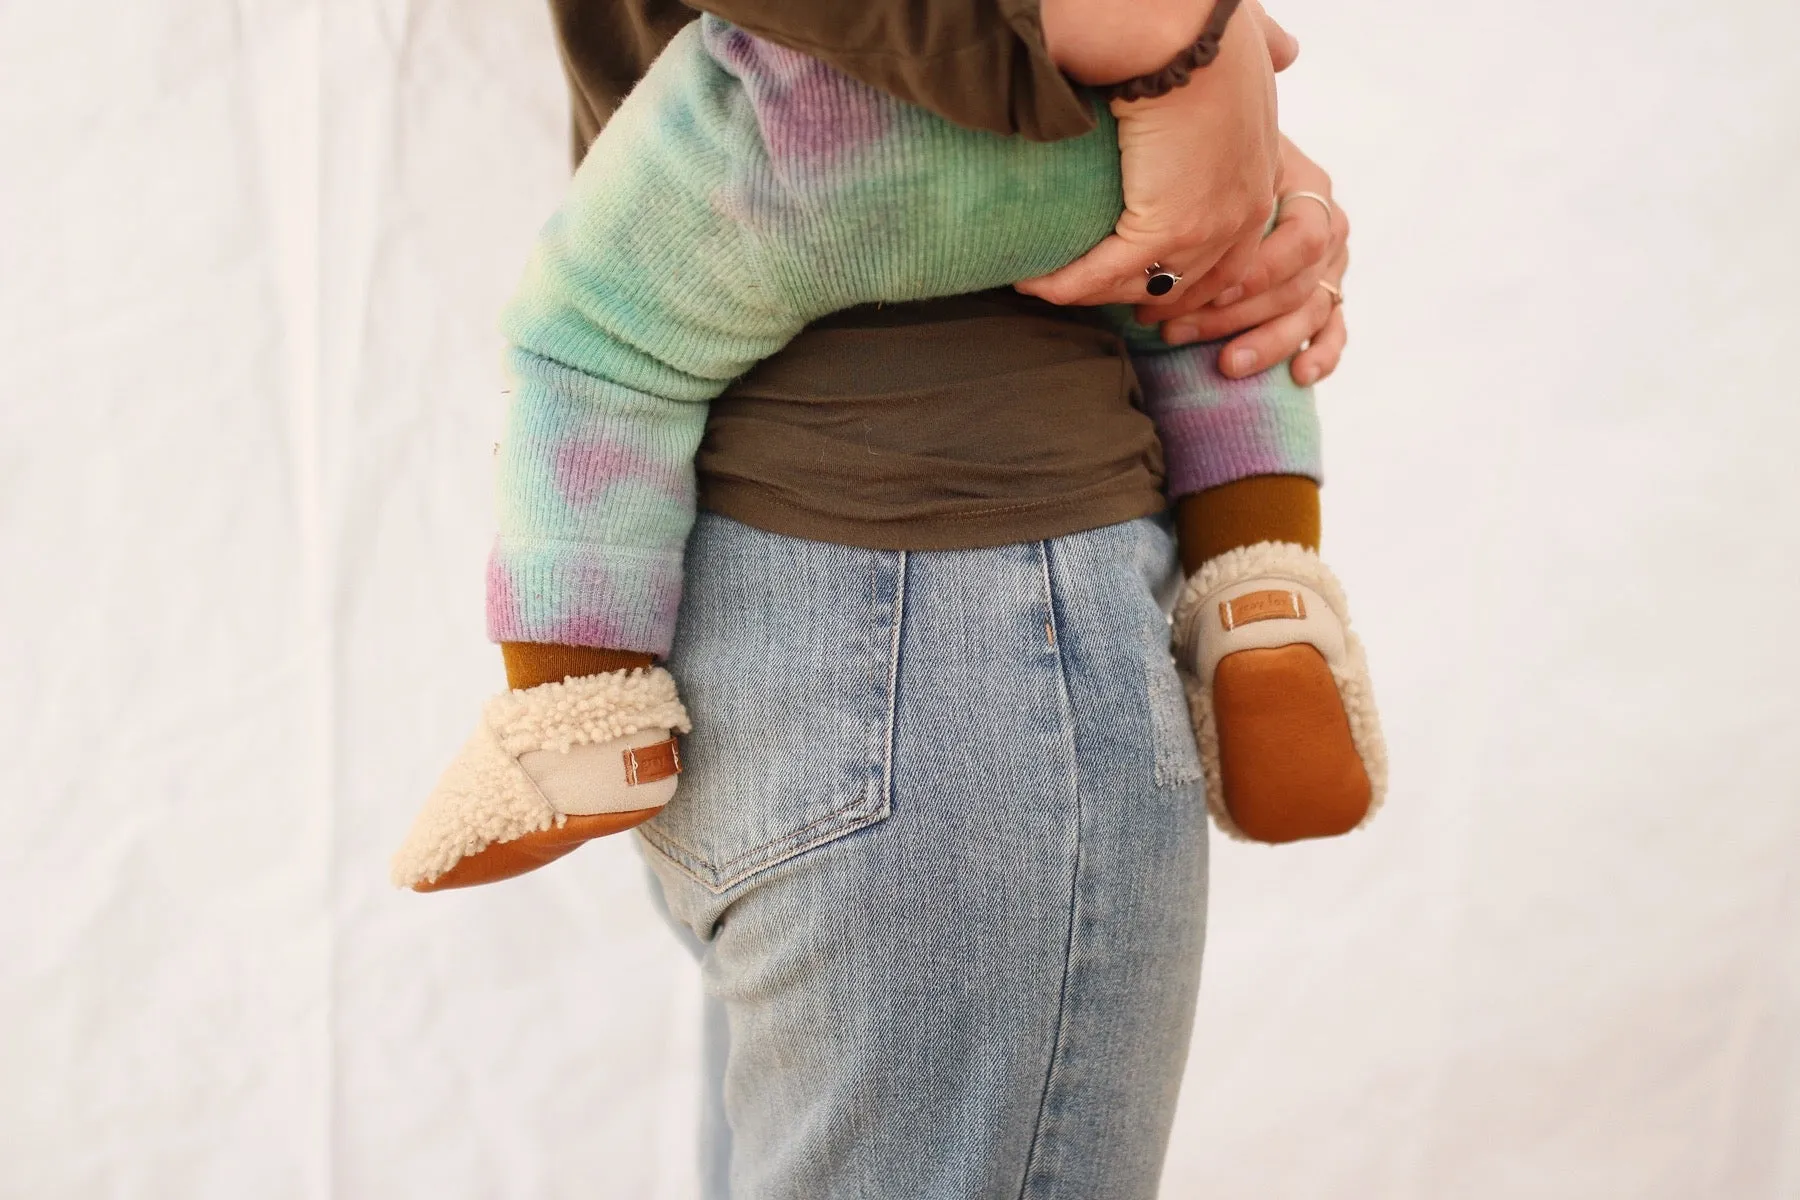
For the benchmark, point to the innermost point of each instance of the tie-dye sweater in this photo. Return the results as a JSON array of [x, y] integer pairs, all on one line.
[[742, 191]]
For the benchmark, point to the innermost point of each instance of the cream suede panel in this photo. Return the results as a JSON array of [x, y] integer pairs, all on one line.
[[584, 780], [1320, 627]]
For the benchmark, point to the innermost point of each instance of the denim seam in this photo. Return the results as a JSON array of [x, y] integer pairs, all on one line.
[[695, 864], [893, 696], [1062, 995]]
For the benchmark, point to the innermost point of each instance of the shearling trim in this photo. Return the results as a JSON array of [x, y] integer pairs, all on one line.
[[1296, 564], [586, 709], [485, 796]]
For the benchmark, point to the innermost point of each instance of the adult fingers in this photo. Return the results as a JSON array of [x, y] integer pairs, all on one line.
[[1321, 358], [1226, 273], [1114, 273], [1307, 235], [1210, 323], [1277, 340], [1284, 48], [1304, 240]]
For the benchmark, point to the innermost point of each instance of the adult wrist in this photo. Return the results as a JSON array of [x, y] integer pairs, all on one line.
[[1098, 42], [1193, 58], [1239, 42]]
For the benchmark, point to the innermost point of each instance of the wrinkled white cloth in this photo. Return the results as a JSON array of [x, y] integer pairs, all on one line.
[[251, 259]]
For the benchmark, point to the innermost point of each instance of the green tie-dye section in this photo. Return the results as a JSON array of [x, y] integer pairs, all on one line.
[[742, 191]]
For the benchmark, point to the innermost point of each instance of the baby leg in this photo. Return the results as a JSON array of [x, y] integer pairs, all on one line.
[[1277, 683]]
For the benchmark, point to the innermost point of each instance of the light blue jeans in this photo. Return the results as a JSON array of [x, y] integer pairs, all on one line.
[[940, 845]]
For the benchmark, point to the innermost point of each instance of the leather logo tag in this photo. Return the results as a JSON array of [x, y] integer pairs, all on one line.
[[1262, 606], [647, 764]]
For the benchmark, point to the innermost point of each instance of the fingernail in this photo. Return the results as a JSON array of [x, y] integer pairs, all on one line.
[[1180, 333], [1241, 361], [1228, 297], [1305, 374]]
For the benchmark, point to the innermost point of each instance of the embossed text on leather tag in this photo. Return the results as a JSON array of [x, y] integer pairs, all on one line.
[[647, 764], [1271, 605]]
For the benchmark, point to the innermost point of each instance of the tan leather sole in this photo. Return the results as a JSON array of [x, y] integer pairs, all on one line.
[[1289, 767], [503, 860]]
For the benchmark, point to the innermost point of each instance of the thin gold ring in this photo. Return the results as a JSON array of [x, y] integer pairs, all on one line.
[[1334, 291], [1323, 200]]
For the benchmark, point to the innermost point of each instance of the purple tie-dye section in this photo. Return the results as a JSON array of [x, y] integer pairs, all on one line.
[[811, 116], [586, 465], [1216, 430]]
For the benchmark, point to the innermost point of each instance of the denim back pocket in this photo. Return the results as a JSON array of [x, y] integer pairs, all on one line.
[[785, 655]]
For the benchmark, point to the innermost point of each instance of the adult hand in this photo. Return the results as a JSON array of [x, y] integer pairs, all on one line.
[[1199, 167], [1280, 310], [1283, 46]]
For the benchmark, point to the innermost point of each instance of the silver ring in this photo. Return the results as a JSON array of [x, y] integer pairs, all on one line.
[[1334, 291], [1161, 280], [1325, 201]]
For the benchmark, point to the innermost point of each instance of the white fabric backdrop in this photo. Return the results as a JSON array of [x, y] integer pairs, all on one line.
[[251, 256]]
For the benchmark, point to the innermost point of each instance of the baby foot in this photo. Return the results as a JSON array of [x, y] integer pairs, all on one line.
[[1279, 692], [547, 769]]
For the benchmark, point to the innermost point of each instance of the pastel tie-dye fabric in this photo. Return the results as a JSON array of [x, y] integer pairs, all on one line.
[[740, 192]]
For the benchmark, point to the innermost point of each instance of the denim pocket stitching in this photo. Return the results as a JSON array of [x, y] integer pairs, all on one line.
[[716, 878], [875, 803]]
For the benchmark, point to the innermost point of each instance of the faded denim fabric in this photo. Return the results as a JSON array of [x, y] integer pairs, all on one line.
[[940, 846]]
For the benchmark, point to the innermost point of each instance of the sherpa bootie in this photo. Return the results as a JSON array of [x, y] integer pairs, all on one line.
[[1279, 692], [547, 769]]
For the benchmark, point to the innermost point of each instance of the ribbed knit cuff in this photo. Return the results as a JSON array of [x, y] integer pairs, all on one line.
[[1215, 430], [579, 595]]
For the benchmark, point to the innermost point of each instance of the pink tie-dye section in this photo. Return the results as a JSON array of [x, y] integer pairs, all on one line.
[[585, 465], [810, 116]]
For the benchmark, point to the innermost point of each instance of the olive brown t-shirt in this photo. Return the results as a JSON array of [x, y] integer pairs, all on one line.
[[968, 421]]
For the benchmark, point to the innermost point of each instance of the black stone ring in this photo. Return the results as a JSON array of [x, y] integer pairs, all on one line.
[[1161, 281]]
